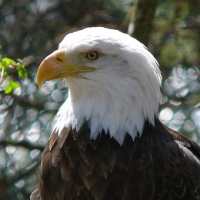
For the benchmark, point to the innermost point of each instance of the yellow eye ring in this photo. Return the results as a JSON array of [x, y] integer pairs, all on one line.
[[92, 55]]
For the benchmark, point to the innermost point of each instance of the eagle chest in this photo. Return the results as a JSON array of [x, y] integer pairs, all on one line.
[[78, 168]]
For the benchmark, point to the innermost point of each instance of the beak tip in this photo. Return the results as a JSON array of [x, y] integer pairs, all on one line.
[[38, 82]]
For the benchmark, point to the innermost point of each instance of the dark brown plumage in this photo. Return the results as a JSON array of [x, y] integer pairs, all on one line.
[[159, 165]]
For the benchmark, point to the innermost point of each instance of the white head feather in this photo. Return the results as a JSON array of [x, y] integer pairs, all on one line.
[[120, 95]]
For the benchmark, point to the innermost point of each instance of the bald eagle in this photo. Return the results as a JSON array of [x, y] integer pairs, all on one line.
[[107, 142]]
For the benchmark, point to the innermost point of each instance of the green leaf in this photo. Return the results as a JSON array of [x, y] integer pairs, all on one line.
[[7, 62], [21, 72], [12, 85]]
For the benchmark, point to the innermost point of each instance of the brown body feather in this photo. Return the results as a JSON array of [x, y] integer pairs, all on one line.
[[159, 165]]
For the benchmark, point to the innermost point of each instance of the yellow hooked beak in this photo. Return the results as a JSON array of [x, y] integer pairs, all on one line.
[[56, 66]]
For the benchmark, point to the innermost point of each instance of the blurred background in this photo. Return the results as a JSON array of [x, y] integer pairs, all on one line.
[[30, 29]]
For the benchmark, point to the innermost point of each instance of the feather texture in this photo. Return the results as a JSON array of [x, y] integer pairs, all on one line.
[[159, 165], [107, 143], [120, 94]]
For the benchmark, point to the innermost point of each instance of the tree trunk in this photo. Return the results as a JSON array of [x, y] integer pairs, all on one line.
[[144, 19]]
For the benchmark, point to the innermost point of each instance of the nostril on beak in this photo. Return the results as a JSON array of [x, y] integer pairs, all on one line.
[[59, 59]]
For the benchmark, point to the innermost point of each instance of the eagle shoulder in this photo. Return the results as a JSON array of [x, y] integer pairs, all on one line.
[[160, 164]]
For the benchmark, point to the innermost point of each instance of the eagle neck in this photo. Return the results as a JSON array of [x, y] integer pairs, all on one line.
[[107, 108]]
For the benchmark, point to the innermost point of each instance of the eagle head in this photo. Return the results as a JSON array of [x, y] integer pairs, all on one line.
[[113, 82]]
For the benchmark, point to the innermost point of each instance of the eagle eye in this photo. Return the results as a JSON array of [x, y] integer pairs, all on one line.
[[92, 55]]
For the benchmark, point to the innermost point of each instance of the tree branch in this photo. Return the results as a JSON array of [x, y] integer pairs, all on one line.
[[24, 172], [23, 143], [24, 102]]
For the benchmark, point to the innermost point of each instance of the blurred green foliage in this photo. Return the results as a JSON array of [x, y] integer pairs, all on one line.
[[11, 72]]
